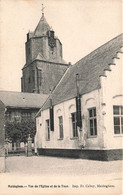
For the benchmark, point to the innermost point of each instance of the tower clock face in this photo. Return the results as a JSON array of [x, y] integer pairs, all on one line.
[[52, 42]]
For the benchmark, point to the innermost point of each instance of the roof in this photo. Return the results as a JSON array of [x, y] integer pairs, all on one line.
[[89, 68], [22, 100], [42, 27], [41, 31]]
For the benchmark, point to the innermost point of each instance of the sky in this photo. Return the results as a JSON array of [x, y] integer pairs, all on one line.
[[81, 26]]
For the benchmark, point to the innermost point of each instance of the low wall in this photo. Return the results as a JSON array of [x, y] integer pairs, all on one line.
[[101, 155]]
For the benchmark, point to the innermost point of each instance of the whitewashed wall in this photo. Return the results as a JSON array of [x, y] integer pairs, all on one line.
[[112, 87], [90, 100], [103, 99], [65, 109]]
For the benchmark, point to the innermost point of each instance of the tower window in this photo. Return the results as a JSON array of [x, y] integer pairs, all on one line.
[[29, 50], [33, 75], [51, 33], [39, 76], [29, 79]]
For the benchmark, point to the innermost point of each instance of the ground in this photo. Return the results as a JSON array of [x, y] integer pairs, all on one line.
[[62, 175], [37, 165]]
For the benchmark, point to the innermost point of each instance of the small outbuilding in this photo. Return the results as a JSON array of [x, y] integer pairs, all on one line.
[[20, 107]]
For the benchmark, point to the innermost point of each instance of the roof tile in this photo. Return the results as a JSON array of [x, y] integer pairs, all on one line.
[[22, 100], [89, 69], [41, 28]]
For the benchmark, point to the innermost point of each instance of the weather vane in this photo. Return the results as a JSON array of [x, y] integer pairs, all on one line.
[[43, 9]]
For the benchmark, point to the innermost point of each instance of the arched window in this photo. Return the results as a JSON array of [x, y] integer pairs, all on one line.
[[60, 124], [73, 122]]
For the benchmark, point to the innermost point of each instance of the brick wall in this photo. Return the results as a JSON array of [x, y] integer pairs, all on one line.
[[51, 74], [40, 45], [29, 72], [2, 138]]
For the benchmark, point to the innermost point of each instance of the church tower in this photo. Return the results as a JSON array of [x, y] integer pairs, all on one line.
[[44, 63]]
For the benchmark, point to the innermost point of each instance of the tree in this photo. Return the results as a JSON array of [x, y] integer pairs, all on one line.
[[28, 127], [19, 131]]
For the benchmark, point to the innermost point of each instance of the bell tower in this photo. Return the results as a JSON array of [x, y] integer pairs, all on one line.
[[44, 63]]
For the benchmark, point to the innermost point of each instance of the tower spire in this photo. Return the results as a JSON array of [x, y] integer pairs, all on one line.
[[43, 9]]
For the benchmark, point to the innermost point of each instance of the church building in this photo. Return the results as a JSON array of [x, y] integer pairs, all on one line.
[[83, 116], [79, 107], [44, 61], [44, 68]]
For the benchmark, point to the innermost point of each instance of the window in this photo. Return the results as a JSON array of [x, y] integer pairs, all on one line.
[[8, 116], [16, 119], [60, 127], [74, 126], [29, 80], [48, 129], [92, 122], [26, 115], [118, 119], [33, 75], [16, 116], [29, 50], [39, 77]]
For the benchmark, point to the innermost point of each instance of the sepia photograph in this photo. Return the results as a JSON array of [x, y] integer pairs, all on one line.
[[61, 97]]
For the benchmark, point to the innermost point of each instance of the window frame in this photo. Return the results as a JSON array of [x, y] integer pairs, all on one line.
[[61, 127], [74, 129], [29, 50], [8, 116], [39, 76], [92, 118], [29, 79], [120, 117], [26, 115], [47, 129]]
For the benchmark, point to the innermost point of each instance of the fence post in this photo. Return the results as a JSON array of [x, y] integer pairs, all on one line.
[[29, 146]]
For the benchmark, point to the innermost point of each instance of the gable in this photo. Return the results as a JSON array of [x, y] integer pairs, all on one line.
[[89, 68]]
